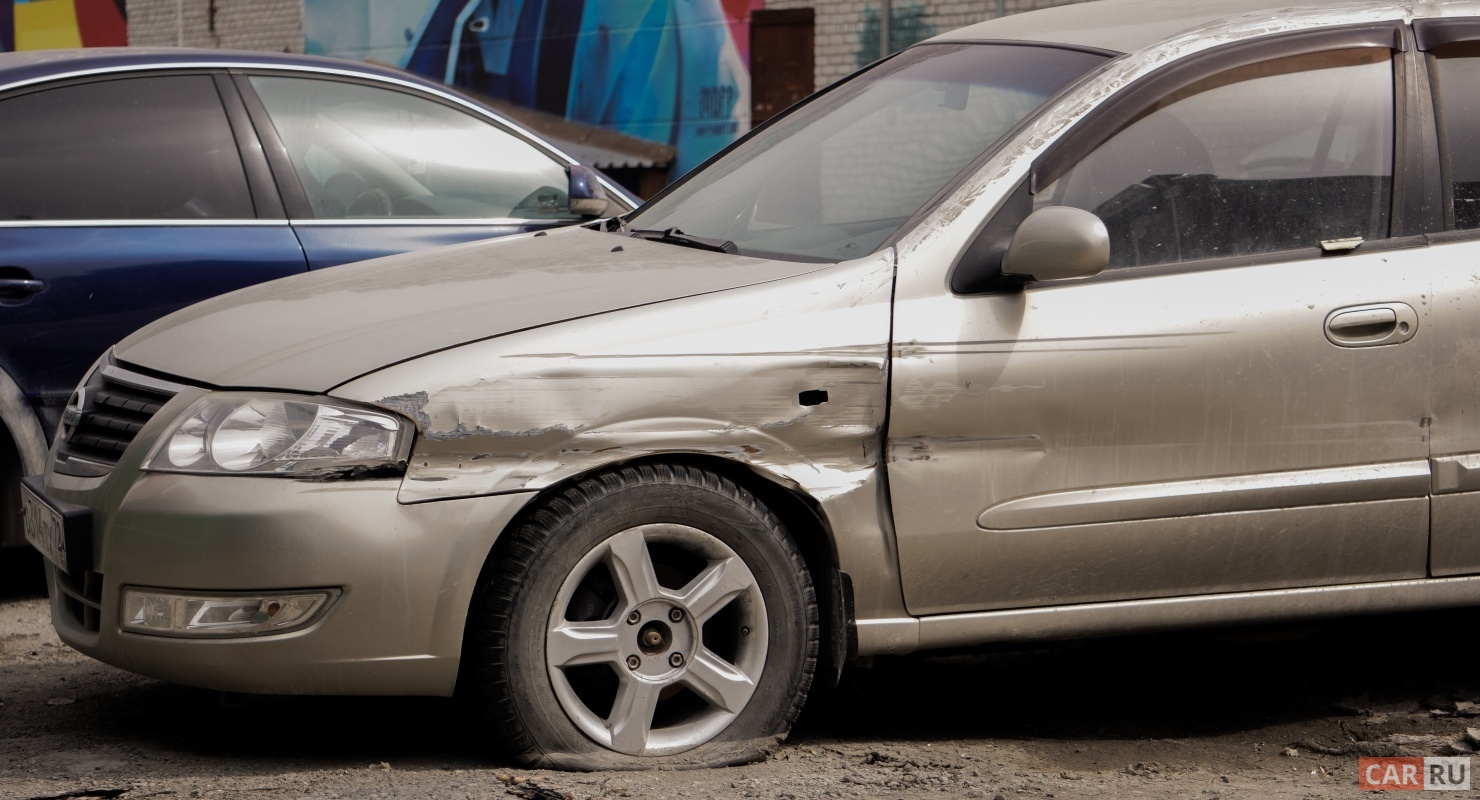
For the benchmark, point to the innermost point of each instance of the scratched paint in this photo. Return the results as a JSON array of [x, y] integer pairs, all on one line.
[[720, 375], [1139, 382]]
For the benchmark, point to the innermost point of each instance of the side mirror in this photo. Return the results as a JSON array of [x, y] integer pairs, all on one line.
[[587, 197], [1058, 242]]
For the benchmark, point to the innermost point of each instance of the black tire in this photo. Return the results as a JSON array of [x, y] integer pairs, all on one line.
[[573, 550]]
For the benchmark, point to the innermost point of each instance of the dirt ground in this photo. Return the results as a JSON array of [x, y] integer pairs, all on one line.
[[1227, 715]]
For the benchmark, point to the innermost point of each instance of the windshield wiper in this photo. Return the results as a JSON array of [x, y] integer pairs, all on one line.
[[678, 237]]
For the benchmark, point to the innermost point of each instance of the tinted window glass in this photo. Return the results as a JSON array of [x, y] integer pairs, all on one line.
[[835, 178], [367, 152], [1458, 79], [139, 148], [1277, 156]]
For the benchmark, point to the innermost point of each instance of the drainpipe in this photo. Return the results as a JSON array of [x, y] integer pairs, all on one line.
[[179, 23], [1001, 8], [885, 12]]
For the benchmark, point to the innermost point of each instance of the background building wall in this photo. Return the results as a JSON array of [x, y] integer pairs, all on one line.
[[51, 24], [669, 71], [621, 57], [275, 25], [848, 31]]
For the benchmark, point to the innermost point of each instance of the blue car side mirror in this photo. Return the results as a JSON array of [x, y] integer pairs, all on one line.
[[587, 197]]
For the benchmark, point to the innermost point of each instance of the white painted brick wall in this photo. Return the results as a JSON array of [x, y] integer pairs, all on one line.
[[275, 25]]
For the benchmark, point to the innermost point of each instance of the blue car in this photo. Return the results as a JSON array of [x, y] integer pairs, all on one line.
[[137, 182]]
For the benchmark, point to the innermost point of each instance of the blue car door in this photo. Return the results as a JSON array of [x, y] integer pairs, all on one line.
[[370, 170], [126, 196]]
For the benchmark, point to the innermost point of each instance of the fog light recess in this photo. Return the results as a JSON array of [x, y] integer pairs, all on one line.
[[216, 616]]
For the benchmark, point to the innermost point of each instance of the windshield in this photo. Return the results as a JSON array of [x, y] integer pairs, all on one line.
[[832, 180]]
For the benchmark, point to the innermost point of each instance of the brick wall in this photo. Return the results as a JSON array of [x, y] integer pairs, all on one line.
[[847, 31], [232, 24]]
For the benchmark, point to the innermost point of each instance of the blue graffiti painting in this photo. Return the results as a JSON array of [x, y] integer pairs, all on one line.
[[664, 70]]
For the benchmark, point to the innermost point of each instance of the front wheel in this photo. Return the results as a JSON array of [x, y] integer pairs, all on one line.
[[651, 616]]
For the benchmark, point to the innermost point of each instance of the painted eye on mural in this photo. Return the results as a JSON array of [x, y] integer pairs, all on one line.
[[479, 25]]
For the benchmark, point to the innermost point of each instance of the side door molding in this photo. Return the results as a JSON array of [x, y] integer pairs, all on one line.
[[1312, 487], [1454, 474]]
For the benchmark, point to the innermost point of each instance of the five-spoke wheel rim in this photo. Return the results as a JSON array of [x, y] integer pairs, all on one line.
[[657, 639]]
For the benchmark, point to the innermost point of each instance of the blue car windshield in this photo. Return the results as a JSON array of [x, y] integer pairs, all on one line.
[[835, 178]]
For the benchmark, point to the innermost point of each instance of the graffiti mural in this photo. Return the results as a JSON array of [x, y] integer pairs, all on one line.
[[672, 71], [52, 24]]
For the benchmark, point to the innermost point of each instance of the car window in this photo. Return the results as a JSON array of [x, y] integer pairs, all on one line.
[[1457, 75], [834, 178], [364, 152], [138, 148], [1275, 156]]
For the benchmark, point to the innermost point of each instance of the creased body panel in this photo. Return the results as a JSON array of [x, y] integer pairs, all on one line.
[[787, 378]]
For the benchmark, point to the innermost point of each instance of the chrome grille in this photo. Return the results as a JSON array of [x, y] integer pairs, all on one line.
[[103, 417]]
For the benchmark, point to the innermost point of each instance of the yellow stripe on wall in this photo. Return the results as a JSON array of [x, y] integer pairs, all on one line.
[[46, 25]]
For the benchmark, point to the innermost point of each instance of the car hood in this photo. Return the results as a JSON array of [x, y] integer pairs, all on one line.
[[315, 331]]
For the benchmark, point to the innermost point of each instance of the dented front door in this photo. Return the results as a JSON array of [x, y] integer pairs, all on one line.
[[1202, 431], [1240, 402]]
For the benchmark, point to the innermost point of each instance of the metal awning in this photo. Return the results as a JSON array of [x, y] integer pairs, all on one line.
[[592, 145]]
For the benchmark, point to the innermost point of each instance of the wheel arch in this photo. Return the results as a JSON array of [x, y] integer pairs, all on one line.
[[22, 451], [804, 519], [24, 427]]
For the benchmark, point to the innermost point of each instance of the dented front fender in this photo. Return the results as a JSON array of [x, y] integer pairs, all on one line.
[[788, 378]]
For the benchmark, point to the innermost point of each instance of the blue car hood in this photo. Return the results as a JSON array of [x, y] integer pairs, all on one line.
[[312, 332]]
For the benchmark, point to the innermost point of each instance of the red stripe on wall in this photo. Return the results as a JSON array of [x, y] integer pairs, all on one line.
[[100, 24]]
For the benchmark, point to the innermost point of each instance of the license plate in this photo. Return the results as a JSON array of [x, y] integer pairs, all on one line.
[[61, 531]]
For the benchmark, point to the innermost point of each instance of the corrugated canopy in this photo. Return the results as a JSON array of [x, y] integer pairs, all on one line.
[[592, 145]]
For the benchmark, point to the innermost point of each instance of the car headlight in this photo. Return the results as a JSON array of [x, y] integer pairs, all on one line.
[[237, 434]]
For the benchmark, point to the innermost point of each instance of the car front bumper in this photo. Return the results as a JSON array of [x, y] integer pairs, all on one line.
[[405, 575]]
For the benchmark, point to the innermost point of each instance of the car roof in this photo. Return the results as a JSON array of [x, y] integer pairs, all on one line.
[[1127, 26], [25, 67], [32, 65]]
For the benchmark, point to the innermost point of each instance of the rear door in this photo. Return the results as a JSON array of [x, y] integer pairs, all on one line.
[[1452, 52], [369, 170], [125, 198]]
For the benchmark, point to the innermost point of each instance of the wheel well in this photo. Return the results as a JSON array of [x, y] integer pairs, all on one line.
[[813, 536], [11, 471], [803, 520]]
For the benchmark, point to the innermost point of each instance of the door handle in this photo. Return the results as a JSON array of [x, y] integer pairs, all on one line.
[[1371, 325], [14, 291], [21, 285]]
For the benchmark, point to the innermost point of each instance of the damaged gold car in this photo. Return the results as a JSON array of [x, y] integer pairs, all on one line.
[[1124, 316]]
